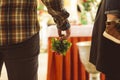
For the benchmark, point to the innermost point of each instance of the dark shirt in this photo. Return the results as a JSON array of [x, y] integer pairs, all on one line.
[[112, 7]]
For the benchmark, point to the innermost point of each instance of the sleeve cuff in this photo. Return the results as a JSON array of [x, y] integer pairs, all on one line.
[[112, 12], [65, 26]]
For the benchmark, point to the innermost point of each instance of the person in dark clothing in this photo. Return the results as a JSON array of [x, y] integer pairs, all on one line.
[[104, 53]]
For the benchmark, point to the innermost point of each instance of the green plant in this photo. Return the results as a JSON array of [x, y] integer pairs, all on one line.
[[60, 46]]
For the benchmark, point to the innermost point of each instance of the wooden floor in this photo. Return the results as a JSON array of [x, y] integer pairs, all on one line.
[[42, 70]]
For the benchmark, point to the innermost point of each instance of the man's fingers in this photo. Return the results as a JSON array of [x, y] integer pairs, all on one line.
[[66, 36], [68, 33], [59, 32]]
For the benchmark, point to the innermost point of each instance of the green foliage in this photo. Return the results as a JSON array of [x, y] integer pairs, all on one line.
[[88, 4], [60, 46]]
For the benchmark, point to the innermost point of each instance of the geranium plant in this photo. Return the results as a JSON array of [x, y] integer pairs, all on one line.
[[60, 46]]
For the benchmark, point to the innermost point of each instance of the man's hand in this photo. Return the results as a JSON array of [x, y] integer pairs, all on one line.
[[111, 17], [64, 36]]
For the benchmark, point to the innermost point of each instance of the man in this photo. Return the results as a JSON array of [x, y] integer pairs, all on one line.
[[105, 53], [19, 35]]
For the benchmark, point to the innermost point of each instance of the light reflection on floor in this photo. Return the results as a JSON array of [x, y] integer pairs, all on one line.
[[42, 71]]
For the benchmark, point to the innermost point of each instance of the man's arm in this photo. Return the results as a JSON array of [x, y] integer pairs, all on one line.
[[59, 14]]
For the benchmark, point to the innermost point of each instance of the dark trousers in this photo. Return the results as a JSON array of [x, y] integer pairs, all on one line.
[[21, 60], [113, 77]]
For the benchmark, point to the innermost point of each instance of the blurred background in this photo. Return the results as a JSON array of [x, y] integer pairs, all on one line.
[[82, 13]]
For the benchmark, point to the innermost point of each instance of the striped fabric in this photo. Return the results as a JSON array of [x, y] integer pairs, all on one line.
[[59, 14], [18, 20]]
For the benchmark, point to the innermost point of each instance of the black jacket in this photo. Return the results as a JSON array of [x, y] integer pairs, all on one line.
[[105, 54]]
